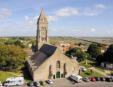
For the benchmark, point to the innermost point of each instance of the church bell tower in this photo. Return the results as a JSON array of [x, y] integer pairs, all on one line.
[[42, 31]]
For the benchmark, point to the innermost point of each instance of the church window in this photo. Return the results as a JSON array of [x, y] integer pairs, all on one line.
[[64, 66], [43, 39], [50, 72], [50, 68], [43, 31], [58, 64]]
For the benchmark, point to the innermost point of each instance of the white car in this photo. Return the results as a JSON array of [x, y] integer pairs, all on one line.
[[49, 81], [76, 78], [0, 83], [12, 81], [84, 69]]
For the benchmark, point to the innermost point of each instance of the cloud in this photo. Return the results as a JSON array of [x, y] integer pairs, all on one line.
[[67, 12], [30, 22], [100, 6], [4, 12], [52, 18], [90, 12], [93, 30]]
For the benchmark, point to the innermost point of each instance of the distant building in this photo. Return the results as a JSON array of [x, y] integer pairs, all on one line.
[[107, 65], [48, 62]]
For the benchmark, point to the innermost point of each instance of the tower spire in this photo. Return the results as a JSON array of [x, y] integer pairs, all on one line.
[[42, 30], [42, 17]]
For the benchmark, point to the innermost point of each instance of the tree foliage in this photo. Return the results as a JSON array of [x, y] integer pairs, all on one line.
[[107, 56], [94, 50], [77, 52], [15, 42], [11, 57]]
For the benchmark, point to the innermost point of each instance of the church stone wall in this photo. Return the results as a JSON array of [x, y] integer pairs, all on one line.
[[42, 73]]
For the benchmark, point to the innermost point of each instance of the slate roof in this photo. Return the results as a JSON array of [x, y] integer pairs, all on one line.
[[39, 57]]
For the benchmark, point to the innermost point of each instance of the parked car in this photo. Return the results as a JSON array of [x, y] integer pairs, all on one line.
[[86, 79], [108, 79], [93, 79], [97, 78], [84, 69], [0, 83], [111, 78], [12, 81], [102, 79], [49, 81], [30, 83], [37, 84], [76, 78], [89, 78]]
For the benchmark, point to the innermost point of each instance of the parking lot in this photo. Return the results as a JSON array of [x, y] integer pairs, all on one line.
[[68, 83]]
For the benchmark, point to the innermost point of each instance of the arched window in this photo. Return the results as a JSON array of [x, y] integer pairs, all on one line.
[[50, 68], [58, 64], [50, 72], [64, 66]]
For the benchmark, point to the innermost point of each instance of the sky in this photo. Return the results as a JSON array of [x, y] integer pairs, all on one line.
[[77, 18]]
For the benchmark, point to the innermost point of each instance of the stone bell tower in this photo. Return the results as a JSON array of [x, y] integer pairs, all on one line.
[[42, 31]]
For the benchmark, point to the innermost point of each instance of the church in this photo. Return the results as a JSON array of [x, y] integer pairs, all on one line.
[[48, 62]]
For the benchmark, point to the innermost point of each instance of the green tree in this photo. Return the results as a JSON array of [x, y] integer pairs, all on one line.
[[76, 52], [94, 50], [11, 57], [108, 55], [19, 43], [99, 59]]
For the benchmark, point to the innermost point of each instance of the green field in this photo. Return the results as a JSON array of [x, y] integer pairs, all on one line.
[[4, 75], [89, 64], [88, 73]]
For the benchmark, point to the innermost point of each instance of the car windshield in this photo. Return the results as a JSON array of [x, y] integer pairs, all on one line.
[[31, 82]]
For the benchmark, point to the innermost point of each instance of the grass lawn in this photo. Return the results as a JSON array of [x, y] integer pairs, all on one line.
[[100, 68], [89, 63], [4, 75], [89, 74]]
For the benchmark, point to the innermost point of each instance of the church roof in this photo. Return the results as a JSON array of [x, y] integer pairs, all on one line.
[[39, 57], [42, 17]]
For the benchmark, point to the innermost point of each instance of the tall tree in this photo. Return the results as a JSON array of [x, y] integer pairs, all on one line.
[[108, 55], [76, 52], [94, 50], [11, 57]]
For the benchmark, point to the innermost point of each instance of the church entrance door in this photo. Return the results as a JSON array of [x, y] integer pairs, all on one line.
[[57, 74]]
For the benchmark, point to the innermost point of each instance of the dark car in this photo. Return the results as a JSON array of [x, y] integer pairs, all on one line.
[[102, 79], [37, 84], [97, 78], [89, 78], [86, 79], [30, 83], [108, 79], [111, 78]]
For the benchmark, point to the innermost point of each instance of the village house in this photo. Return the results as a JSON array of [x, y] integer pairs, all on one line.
[[107, 65]]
